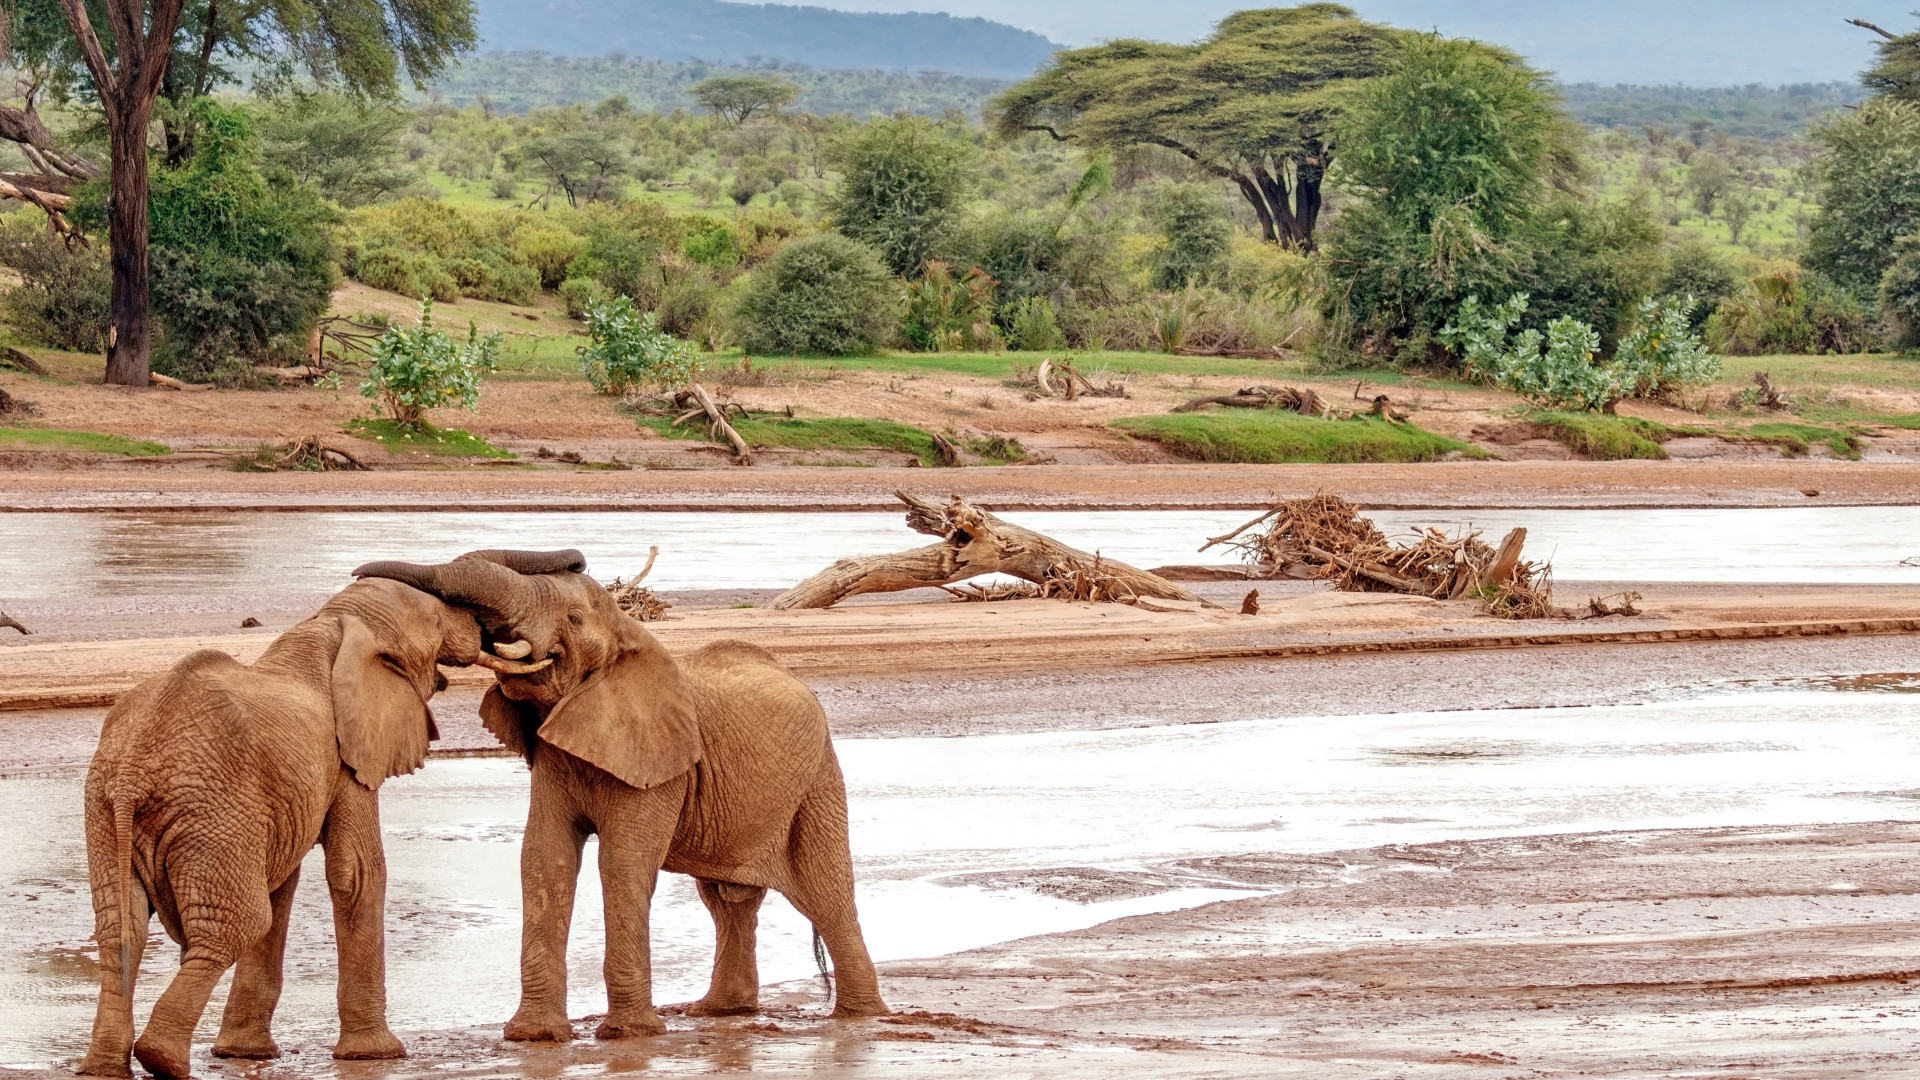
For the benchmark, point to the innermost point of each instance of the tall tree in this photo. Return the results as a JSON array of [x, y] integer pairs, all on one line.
[[1897, 74], [1255, 104], [903, 183], [736, 98], [120, 55]]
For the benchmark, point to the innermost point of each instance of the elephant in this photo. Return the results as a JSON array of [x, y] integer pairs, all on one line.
[[211, 783], [717, 765]]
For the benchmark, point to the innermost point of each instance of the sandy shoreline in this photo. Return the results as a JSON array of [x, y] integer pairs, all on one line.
[[1442, 485]]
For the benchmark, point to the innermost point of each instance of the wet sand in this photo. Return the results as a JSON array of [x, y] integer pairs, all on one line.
[[1461, 484]]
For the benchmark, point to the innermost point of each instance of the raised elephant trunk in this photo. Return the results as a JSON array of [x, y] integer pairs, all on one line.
[[490, 583]]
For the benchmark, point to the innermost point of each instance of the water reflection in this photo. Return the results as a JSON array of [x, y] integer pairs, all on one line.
[[153, 554]]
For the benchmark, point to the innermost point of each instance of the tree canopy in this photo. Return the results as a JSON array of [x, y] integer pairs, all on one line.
[[1256, 103], [904, 182], [736, 98]]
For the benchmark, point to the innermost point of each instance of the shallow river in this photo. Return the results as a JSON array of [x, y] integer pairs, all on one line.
[[926, 810], [131, 555]]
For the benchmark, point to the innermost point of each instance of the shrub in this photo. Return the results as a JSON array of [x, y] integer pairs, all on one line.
[[549, 251], [1197, 235], [823, 294], [62, 295], [580, 294], [1900, 293], [627, 351], [1697, 270], [905, 181], [949, 312], [423, 248], [1659, 354], [422, 368], [1273, 437], [1033, 326], [1784, 310]]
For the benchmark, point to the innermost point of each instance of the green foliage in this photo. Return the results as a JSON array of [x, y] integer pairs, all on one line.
[[823, 294], [1896, 74], [1032, 326], [1197, 235], [1782, 310], [948, 311], [550, 251], [1272, 437], [737, 98], [628, 351], [1659, 354], [903, 183], [422, 436], [422, 368], [1603, 436], [348, 148], [1255, 102], [579, 153], [419, 247], [85, 441], [1697, 270], [242, 264], [1869, 176], [1900, 293], [1752, 111], [763, 430], [61, 296], [580, 294]]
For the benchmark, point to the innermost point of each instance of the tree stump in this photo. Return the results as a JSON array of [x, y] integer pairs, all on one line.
[[974, 543]]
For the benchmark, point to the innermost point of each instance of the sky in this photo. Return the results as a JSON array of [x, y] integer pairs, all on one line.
[[1694, 42]]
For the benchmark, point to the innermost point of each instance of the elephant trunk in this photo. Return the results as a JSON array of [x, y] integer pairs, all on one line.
[[566, 560], [498, 594]]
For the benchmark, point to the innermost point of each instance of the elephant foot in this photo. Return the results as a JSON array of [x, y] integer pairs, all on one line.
[[97, 1063], [631, 1024], [711, 1006], [855, 1008], [250, 1047], [375, 1045], [523, 1028], [166, 1062]]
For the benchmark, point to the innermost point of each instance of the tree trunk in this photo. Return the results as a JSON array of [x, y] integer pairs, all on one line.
[[130, 322], [975, 543]]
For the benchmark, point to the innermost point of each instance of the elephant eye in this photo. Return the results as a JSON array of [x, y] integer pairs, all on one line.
[[574, 618]]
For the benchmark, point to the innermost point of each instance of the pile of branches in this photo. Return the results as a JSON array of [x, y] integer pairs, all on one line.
[[638, 601], [1293, 399], [1061, 380], [1089, 583], [310, 453], [1324, 537]]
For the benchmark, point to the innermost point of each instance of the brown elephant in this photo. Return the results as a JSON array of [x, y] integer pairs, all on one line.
[[210, 785], [717, 765]]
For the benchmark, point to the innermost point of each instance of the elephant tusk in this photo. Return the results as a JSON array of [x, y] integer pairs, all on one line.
[[511, 667], [513, 650]]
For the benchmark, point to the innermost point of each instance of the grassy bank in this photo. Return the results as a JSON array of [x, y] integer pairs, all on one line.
[[837, 433], [12, 438], [425, 438], [1274, 437]]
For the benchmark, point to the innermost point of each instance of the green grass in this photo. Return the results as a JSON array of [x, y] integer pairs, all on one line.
[[1609, 438], [1795, 439], [1272, 437], [91, 441], [447, 442]]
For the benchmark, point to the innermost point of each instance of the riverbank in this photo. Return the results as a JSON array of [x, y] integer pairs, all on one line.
[[1438, 485]]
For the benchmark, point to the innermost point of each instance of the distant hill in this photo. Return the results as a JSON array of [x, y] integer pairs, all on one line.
[[1763, 112], [520, 81], [753, 34]]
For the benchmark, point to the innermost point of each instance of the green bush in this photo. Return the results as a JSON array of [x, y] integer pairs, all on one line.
[[823, 294], [1659, 354], [1785, 310], [1033, 327], [1697, 270], [628, 351], [1273, 437], [905, 180], [580, 294], [1196, 235], [549, 251], [419, 247], [1603, 437], [948, 311], [61, 298], [422, 368]]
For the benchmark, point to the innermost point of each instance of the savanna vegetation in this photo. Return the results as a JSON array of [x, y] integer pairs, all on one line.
[[1302, 183]]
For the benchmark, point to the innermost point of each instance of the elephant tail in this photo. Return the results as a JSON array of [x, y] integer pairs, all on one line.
[[123, 808], [820, 958]]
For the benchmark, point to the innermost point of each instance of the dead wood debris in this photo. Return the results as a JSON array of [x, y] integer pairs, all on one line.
[[13, 408], [1621, 603], [974, 543], [1324, 537], [20, 361], [7, 621], [1294, 399], [1250, 604], [1769, 397], [310, 453], [1059, 379], [638, 601], [249, 623]]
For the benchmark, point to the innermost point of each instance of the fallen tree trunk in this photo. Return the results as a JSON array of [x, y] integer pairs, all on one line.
[[718, 419], [976, 543]]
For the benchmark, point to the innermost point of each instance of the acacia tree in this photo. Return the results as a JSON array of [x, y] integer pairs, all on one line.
[[1255, 104], [736, 98], [119, 54]]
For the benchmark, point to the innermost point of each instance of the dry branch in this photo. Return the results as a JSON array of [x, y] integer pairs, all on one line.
[[313, 452], [742, 453], [7, 621], [1325, 537], [635, 599], [1305, 402], [949, 453], [14, 358], [975, 543]]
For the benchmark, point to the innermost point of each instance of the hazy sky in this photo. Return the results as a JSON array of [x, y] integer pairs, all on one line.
[[1701, 42]]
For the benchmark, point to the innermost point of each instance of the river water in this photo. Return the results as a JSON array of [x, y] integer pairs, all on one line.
[[188, 553], [927, 812]]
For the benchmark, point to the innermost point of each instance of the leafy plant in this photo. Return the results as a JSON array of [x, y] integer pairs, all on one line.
[[1033, 326], [627, 351], [61, 297], [580, 294], [417, 369], [1659, 354], [949, 312], [823, 294], [905, 180]]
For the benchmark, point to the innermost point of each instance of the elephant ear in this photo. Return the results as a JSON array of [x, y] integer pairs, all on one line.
[[509, 721], [635, 719], [379, 720]]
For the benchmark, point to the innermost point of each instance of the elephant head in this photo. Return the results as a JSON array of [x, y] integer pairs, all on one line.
[[392, 640], [572, 670]]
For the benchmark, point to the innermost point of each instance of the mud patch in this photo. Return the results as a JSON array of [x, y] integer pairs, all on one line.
[[1079, 884]]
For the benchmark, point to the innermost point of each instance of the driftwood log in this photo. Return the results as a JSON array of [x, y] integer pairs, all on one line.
[[974, 543], [717, 417], [1305, 402]]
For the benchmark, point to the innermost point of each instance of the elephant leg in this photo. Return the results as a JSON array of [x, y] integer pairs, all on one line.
[[549, 870], [822, 874], [634, 835], [357, 882], [735, 989], [220, 920], [112, 1043], [246, 1025]]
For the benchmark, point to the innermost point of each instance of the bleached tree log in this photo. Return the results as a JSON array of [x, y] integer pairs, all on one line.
[[974, 543]]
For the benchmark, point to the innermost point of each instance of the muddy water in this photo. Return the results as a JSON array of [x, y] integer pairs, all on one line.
[[131, 555], [965, 841]]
